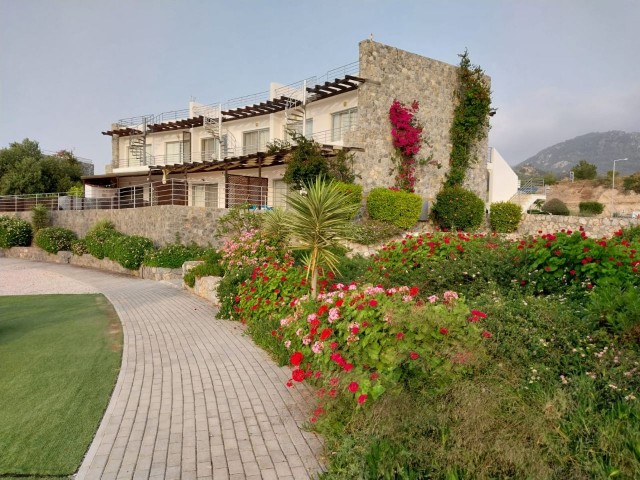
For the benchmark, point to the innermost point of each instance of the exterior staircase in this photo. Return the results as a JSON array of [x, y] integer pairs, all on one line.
[[529, 192]]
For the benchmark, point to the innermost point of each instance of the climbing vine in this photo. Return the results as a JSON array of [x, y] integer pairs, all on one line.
[[407, 136], [470, 119]]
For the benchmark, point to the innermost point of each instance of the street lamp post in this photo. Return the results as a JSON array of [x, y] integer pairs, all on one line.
[[613, 182]]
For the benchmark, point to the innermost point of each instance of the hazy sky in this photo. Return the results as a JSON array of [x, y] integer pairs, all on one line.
[[69, 68]]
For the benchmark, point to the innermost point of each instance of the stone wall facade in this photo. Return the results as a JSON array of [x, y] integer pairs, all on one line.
[[159, 223], [594, 226], [392, 74]]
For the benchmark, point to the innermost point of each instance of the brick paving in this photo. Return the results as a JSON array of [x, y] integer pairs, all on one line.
[[195, 398]]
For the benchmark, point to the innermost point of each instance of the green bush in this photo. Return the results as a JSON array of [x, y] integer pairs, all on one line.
[[591, 208], [128, 251], [354, 191], [458, 209], [555, 206], [39, 217], [370, 232], [15, 232], [173, 256], [54, 239], [79, 247], [228, 289], [505, 217], [399, 208], [98, 237]]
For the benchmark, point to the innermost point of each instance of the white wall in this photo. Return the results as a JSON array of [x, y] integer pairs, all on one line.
[[503, 181]]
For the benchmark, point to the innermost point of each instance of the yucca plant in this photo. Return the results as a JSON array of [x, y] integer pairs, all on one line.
[[319, 221]]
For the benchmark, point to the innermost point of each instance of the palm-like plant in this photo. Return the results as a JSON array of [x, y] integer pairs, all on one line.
[[320, 221]]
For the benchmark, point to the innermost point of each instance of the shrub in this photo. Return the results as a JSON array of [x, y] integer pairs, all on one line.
[[399, 208], [210, 268], [79, 247], [15, 232], [129, 251], [236, 221], [632, 183], [173, 256], [97, 238], [228, 289], [370, 232], [353, 191], [555, 206], [585, 170], [54, 239], [505, 217], [591, 208], [458, 208], [39, 217]]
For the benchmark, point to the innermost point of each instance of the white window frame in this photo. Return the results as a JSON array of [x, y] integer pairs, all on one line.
[[171, 157], [204, 195], [345, 120], [259, 146]]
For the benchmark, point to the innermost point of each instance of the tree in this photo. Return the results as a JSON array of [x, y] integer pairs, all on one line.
[[585, 171], [319, 222], [24, 169]]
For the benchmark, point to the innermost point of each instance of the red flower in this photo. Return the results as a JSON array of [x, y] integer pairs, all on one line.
[[289, 384], [443, 331], [572, 272], [362, 398], [332, 393], [273, 333], [414, 356], [296, 359], [400, 335], [322, 310], [283, 279], [334, 381], [373, 302], [374, 376], [413, 291], [339, 303], [298, 375], [486, 334], [348, 367], [326, 333], [353, 387], [355, 330], [333, 345], [478, 313], [318, 374]]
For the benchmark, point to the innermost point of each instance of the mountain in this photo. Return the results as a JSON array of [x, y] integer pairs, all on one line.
[[598, 148]]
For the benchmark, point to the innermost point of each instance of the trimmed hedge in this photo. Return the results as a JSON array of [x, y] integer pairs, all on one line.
[[353, 191], [555, 206], [457, 208], [394, 206], [55, 239], [505, 217], [591, 208], [128, 251], [15, 232]]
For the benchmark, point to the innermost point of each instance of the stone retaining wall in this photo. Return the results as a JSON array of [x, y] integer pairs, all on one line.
[[594, 226], [159, 223]]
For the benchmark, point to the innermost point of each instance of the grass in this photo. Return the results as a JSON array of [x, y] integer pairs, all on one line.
[[59, 359]]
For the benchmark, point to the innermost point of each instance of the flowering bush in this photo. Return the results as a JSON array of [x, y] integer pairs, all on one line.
[[14, 232], [249, 248], [129, 251], [458, 208], [54, 239], [406, 133], [551, 262]]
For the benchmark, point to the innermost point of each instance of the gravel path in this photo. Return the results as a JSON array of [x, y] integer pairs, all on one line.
[[195, 398]]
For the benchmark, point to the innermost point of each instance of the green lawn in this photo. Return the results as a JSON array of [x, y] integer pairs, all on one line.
[[59, 359]]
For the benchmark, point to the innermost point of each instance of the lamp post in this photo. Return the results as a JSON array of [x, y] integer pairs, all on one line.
[[613, 181]]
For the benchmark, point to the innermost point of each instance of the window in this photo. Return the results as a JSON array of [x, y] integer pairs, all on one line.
[[342, 122], [297, 127], [174, 152], [136, 155], [209, 148], [204, 195], [255, 141], [280, 191]]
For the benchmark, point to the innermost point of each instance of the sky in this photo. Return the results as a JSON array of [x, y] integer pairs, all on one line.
[[69, 68]]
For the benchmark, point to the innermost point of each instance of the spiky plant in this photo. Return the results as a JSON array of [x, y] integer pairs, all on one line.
[[319, 222]]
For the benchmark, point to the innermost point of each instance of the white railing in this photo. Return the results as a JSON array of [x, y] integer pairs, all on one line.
[[293, 90], [335, 135]]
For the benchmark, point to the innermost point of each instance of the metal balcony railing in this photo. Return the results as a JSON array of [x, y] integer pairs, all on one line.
[[172, 192]]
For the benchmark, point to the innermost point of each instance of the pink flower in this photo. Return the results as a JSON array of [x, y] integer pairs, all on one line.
[[414, 356]]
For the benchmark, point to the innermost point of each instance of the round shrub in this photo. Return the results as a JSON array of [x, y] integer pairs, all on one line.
[[79, 247], [97, 238], [128, 251], [591, 208], [555, 206], [505, 217], [15, 232], [457, 209], [54, 239], [394, 206]]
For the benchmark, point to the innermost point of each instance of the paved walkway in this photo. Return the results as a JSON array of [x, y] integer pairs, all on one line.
[[195, 398]]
